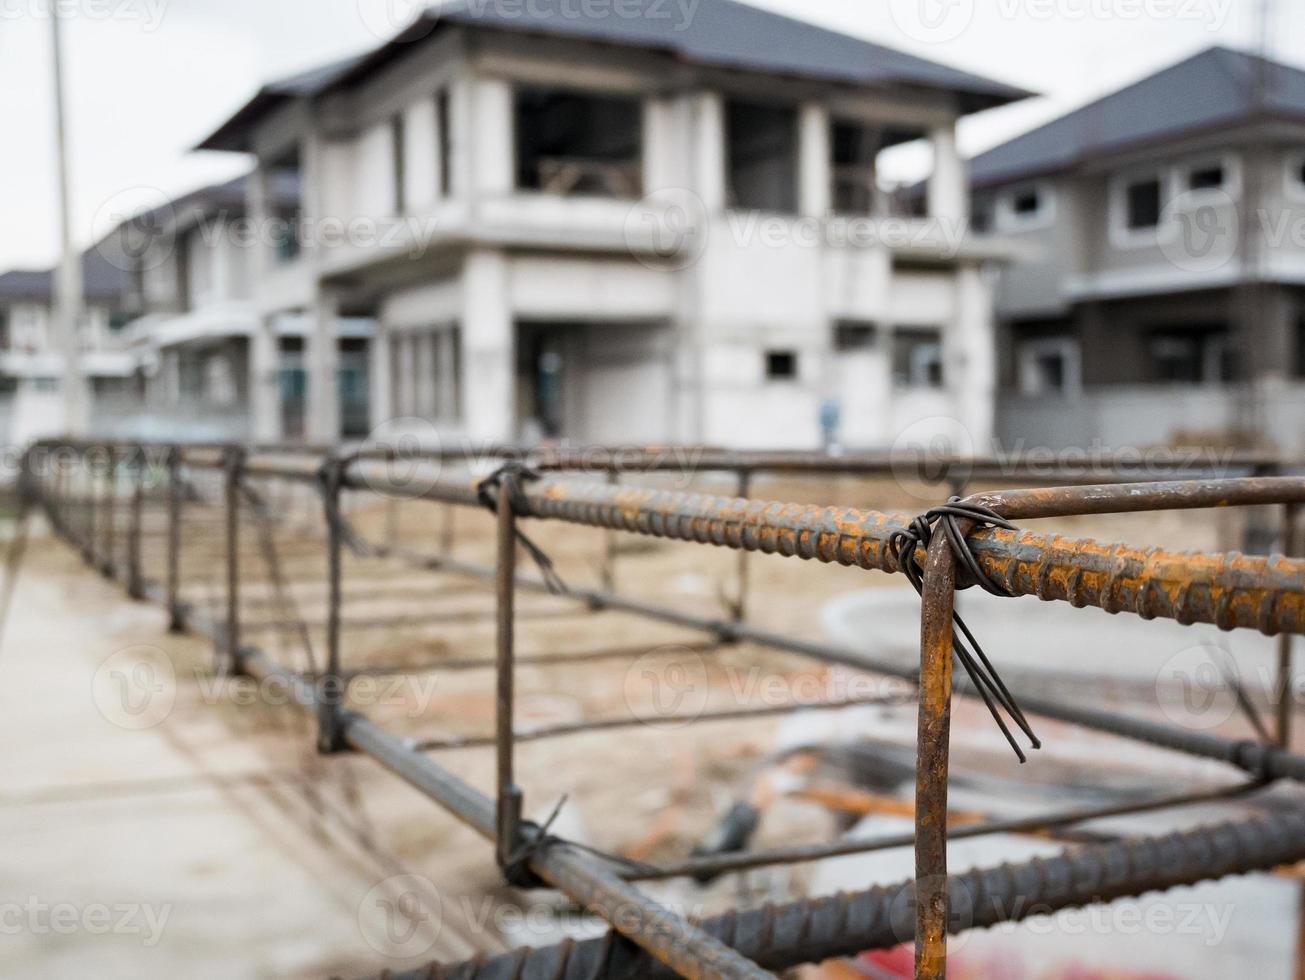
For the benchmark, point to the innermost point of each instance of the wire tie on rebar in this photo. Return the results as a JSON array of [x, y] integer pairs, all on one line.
[[534, 838], [905, 546], [487, 491]]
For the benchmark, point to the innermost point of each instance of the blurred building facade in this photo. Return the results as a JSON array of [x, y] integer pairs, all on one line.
[[618, 229], [1166, 303]]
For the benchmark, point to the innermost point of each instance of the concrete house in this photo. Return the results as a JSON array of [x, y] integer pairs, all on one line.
[[1168, 302], [32, 358], [662, 223], [193, 293]]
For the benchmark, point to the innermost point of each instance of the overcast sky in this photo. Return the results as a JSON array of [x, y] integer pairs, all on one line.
[[149, 78]]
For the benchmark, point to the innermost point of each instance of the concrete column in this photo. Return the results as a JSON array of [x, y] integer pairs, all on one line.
[[488, 349], [483, 118], [948, 197], [970, 356], [405, 391], [815, 162], [709, 181], [382, 374], [322, 353], [427, 406], [170, 378], [264, 382]]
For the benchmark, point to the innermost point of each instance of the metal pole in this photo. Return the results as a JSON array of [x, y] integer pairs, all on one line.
[[610, 546], [109, 563], [931, 765], [508, 822], [331, 697], [176, 489], [135, 580], [69, 295], [235, 459], [740, 610], [1291, 546]]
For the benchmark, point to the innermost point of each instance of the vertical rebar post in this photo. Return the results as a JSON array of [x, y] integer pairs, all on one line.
[[109, 520], [176, 492], [89, 498], [610, 544], [234, 460], [508, 814], [932, 757], [135, 580], [1291, 547], [391, 508], [331, 687], [739, 611]]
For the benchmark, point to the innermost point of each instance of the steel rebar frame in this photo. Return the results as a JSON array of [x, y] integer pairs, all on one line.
[[1229, 591]]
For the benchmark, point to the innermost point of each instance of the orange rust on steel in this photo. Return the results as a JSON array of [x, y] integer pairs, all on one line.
[[1229, 591], [931, 760], [1129, 498]]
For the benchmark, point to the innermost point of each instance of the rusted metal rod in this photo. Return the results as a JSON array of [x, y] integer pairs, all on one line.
[[1286, 679], [508, 816]]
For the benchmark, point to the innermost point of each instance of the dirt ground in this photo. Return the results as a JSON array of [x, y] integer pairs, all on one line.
[[202, 814]]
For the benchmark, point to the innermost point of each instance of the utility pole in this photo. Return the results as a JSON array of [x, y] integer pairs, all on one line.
[[68, 300]]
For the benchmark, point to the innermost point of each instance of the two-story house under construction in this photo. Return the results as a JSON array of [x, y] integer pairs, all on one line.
[[646, 221], [1167, 304]]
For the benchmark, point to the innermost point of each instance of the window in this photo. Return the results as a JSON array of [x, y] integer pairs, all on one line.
[[398, 153], [917, 358], [1190, 355], [283, 179], [981, 215], [1049, 365], [1300, 349], [762, 157], [851, 337], [1026, 203], [1205, 178], [445, 136], [781, 365], [579, 144], [117, 320], [1143, 204]]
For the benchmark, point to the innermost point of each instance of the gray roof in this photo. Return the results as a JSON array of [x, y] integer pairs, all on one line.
[[104, 281], [1211, 90], [719, 33]]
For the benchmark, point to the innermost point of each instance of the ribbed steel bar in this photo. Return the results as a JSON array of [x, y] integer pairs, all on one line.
[[1286, 678], [1227, 590], [784, 936]]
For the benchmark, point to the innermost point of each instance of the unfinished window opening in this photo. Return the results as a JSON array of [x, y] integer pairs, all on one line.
[[1300, 350], [398, 153], [917, 358], [283, 183], [1205, 178], [1190, 355], [781, 365], [1049, 366], [445, 137], [762, 157], [577, 144], [850, 337], [1143, 202]]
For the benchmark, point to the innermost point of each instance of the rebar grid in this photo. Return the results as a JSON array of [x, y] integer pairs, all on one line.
[[1229, 591]]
